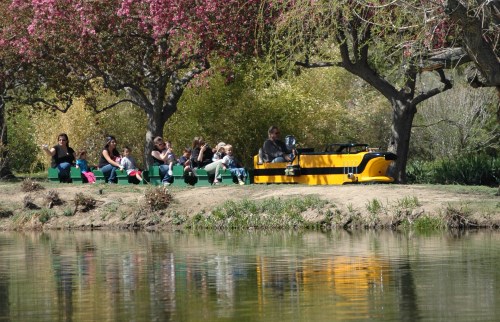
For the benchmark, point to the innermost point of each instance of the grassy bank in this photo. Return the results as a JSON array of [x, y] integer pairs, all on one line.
[[31, 204]]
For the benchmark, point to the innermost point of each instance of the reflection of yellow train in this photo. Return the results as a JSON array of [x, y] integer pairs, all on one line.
[[338, 164], [349, 281]]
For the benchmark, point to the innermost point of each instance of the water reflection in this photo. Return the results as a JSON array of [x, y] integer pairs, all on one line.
[[263, 276]]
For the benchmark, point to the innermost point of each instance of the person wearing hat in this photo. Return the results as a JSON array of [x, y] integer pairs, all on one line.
[[109, 161]]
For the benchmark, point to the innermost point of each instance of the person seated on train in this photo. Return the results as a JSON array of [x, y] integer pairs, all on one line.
[[274, 150]]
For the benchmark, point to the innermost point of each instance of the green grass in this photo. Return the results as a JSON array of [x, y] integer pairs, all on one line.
[[374, 206], [429, 223], [408, 202], [468, 190], [271, 213]]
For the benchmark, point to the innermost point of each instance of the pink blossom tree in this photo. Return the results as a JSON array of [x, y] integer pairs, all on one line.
[[144, 51]]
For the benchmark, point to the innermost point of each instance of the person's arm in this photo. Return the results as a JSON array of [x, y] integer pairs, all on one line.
[[50, 152], [202, 151], [123, 163], [159, 155], [106, 155]]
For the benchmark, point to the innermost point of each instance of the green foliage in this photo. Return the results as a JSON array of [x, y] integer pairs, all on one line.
[[68, 212], [22, 140], [374, 206], [408, 202], [467, 169], [419, 171], [45, 214], [178, 219], [472, 169], [87, 130], [269, 213], [428, 223]]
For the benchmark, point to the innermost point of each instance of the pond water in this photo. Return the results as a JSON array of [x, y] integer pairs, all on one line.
[[249, 276]]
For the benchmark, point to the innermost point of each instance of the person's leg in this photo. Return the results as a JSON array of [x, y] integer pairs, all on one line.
[[241, 176], [64, 171], [217, 170], [166, 178], [89, 176], [109, 172], [212, 169], [138, 175], [278, 159]]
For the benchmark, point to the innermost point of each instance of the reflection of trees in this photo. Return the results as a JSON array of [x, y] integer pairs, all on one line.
[[408, 294], [161, 279], [4, 290], [63, 273], [118, 278]]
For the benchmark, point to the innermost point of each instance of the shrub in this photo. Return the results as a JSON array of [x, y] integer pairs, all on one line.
[[45, 214], [478, 169], [85, 202], [472, 169], [158, 198], [29, 185], [52, 198]]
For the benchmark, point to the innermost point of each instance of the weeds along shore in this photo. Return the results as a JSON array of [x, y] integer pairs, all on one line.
[[36, 207]]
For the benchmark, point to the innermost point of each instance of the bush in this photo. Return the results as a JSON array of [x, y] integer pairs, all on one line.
[[478, 169], [158, 198], [85, 202], [29, 185]]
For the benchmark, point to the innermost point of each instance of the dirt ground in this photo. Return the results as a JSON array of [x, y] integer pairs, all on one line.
[[116, 205]]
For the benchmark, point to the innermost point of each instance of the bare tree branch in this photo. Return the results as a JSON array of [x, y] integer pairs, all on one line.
[[115, 104]]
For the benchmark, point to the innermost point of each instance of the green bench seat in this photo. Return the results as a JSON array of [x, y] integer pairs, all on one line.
[[124, 178], [75, 175], [177, 172], [203, 179]]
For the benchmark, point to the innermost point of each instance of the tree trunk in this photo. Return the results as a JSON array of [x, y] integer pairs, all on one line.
[[477, 45], [5, 171], [402, 118], [155, 126]]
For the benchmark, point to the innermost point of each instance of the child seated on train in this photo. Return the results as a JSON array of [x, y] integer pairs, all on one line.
[[129, 165], [234, 166]]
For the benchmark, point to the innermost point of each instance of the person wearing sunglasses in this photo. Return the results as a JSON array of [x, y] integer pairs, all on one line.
[[63, 156], [274, 150]]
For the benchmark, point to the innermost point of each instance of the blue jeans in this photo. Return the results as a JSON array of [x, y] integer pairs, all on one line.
[[64, 169], [278, 159], [164, 174], [109, 172]]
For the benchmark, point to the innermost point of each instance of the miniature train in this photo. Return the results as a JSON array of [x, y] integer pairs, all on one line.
[[342, 163]]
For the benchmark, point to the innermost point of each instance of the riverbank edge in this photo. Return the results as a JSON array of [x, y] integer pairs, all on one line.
[[96, 208]]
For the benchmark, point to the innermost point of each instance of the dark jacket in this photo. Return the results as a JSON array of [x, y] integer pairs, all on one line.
[[273, 149]]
